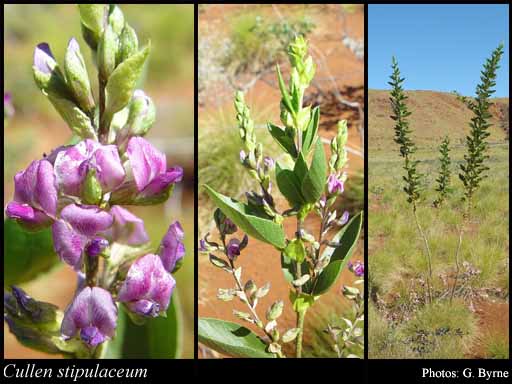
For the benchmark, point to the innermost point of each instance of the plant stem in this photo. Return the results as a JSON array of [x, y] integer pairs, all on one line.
[[429, 255], [102, 84], [459, 246], [300, 324]]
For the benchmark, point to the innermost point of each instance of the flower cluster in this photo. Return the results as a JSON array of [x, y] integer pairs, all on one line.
[[78, 190]]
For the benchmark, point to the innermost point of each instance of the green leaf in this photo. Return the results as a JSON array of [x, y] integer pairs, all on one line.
[[240, 214], [122, 82], [92, 16], [310, 134], [295, 250], [284, 92], [348, 237], [314, 182], [301, 168], [285, 141], [26, 254], [231, 339], [289, 268], [289, 185], [157, 338]]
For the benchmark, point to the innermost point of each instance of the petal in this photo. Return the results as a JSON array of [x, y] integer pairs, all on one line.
[[71, 166], [162, 288], [24, 184], [43, 58], [68, 244], [145, 160], [127, 228], [172, 248], [92, 336], [77, 315], [109, 170], [45, 192], [144, 307], [161, 182], [138, 280], [103, 311], [27, 216], [88, 220]]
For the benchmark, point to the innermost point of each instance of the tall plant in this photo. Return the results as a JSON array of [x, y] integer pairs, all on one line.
[[407, 149], [443, 180], [73, 199], [472, 170], [310, 185]]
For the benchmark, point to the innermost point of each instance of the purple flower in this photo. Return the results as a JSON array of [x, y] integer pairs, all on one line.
[[344, 218], [150, 179], [72, 164], [172, 248], [127, 228], [8, 107], [92, 313], [35, 196], [96, 246], [44, 61], [236, 246], [334, 184], [77, 229], [148, 287], [357, 268], [243, 155], [269, 162], [203, 246]]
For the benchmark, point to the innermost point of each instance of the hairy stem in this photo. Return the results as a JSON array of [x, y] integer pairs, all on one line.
[[300, 325], [429, 255]]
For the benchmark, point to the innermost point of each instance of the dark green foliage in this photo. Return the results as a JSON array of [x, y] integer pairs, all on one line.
[[402, 135], [443, 181], [473, 168]]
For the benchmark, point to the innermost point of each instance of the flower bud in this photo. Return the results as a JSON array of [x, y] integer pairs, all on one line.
[[92, 16], [116, 19], [275, 310], [96, 246], [91, 189], [141, 117], [46, 71], [35, 196], [92, 314], [357, 268], [344, 218], [35, 324], [148, 287], [128, 43], [335, 186], [77, 77], [172, 249], [107, 50]]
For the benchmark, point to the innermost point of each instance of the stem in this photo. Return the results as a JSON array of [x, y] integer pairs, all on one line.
[[91, 270], [300, 324], [429, 256], [102, 84], [459, 246]]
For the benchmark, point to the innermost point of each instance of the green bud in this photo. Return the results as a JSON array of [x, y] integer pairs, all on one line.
[[77, 77], [297, 50], [92, 16], [116, 19], [250, 288], [107, 50], [295, 250], [92, 192], [90, 37], [290, 335], [275, 310], [128, 43], [142, 115]]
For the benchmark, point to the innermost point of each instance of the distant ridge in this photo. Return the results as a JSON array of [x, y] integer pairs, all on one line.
[[434, 114]]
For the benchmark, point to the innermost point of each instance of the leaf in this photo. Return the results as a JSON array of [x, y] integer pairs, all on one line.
[[26, 254], [301, 168], [339, 257], [310, 134], [122, 82], [157, 338], [286, 142], [231, 339], [284, 92], [289, 185], [257, 227], [314, 182]]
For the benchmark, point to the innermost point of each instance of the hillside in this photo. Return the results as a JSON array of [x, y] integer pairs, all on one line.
[[434, 114]]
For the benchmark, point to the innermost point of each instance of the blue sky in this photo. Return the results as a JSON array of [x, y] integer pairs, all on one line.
[[438, 47]]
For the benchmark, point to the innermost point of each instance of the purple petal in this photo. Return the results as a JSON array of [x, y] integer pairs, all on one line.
[[103, 311], [96, 246], [88, 220], [71, 166], [35, 186], [92, 336], [127, 228], [43, 58], [162, 182], [109, 170], [68, 244], [344, 218], [148, 280], [145, 160], [77, 315], [28, 217], [172, 248], [144, 307]]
